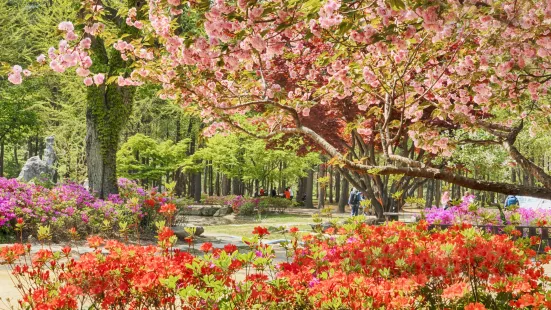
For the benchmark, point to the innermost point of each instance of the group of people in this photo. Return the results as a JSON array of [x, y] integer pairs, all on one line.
[[287, 193]]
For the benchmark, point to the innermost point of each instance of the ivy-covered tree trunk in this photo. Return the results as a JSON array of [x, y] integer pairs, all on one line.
[[2, 158], [109, 106]]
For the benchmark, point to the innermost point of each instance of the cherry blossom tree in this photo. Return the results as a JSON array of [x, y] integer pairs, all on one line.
[[384, 87]]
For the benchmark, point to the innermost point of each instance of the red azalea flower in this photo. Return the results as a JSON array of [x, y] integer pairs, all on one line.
[[150, 202], [230, 248], [260, 231], [168, 208], [206, 247], [20, 221], [475, 306], [293, 230], [94, 241]]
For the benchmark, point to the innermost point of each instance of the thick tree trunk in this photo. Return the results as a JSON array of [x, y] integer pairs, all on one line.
[[108, 108], [308, 203], [101, 162], [2, 158], [343, 201]]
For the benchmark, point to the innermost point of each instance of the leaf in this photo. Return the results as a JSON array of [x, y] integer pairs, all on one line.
[[396, 4]]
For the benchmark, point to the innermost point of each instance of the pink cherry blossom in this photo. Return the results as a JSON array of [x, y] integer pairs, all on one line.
[[88, 81], [66, 26], [99, 78], [86, 43], [41, 59], [83, 72], [15, 78], [306, 112]]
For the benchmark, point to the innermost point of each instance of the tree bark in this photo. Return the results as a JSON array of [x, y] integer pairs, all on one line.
[[528, 165], [197, 185], [235, 186], [2, 158], [321, 188], [217, 183], [101, 164], [417, 169], [211, 174], [225, 185], [308, 203], [343, 201], [337, 185], [331, 185]]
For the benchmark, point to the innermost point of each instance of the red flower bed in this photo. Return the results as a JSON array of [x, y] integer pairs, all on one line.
[[357, 267]]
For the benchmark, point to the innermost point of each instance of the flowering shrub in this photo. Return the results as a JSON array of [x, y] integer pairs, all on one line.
[[352, 267], [468, 212], [72, 206]]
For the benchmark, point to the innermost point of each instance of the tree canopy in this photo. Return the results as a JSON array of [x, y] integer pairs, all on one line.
[[383, 87]]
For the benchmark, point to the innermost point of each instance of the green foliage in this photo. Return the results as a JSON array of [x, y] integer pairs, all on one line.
[[247, 158], [142, 157], [17, 115]]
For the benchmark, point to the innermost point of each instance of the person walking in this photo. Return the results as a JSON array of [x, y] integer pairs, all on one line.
[[511, 200], [287, 194], [274, 193], [354, 201], [291, 193]]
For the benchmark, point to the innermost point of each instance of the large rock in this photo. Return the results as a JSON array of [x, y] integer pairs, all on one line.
[[223, 211], [36, 168], [181, 233], [205, 210]]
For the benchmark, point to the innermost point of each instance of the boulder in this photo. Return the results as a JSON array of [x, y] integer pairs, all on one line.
[[324, 226], [205, 210], [223, 211], [181, 233], [209, 210], [36, 168]]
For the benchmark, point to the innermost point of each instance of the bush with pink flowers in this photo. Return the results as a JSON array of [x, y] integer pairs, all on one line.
[[72, 206]]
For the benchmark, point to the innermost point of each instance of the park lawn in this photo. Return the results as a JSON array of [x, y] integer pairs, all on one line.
[[276, 220]]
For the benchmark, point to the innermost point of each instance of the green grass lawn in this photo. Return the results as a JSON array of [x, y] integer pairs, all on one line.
[[275, 220]]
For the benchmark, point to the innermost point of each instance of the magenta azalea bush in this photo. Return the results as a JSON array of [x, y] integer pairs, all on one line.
[[72, 206], [469, 212]]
